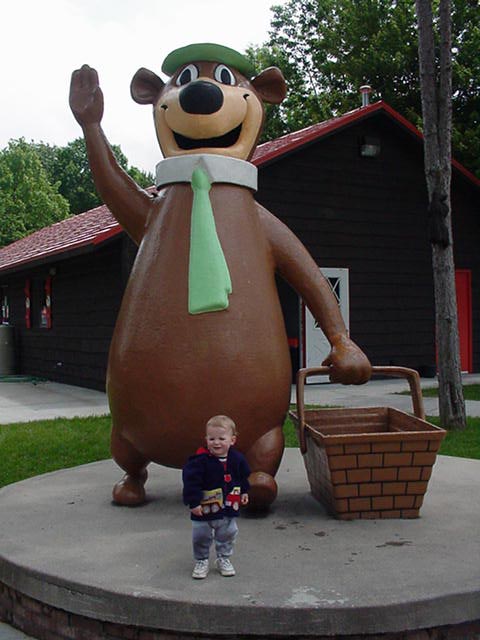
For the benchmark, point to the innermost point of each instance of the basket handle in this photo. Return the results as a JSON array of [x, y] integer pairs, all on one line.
[[395, 372]]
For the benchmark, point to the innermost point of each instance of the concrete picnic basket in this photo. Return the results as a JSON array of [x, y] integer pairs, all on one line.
[[370, 462]]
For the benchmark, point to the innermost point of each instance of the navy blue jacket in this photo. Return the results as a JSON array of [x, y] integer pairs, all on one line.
[[206, 482]]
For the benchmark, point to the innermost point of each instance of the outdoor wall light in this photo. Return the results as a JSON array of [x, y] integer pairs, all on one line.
[[370, 147]]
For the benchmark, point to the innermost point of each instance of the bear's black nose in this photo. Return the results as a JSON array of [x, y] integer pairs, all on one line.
[[201, 97]]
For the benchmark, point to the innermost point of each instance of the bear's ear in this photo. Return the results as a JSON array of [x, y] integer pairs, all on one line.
[[270, 85], [146, 86]]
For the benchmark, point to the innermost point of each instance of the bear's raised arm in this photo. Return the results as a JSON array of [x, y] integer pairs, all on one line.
[[348, 363], [129, 204]]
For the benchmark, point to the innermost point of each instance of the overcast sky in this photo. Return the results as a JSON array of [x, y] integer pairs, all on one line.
[[41, 43]]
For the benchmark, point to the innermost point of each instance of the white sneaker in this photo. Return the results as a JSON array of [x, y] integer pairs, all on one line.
[[225, 567], [200, 570]]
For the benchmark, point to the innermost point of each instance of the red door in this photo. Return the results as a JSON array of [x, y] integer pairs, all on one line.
[[463, 283]]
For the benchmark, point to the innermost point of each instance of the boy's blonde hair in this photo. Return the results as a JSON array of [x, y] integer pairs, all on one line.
[[223, 421]]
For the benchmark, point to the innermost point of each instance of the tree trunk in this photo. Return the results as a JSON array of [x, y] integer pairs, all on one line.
[[436, 89]]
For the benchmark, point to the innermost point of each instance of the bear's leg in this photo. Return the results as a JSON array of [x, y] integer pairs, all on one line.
[[128, 491], [264, 459]]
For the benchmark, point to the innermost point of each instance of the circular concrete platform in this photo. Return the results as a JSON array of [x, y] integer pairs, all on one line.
[[299, 572]]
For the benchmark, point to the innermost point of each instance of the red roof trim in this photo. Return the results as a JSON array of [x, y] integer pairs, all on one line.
[[408, 125], [468, 174], [106, 235], [269, 151]]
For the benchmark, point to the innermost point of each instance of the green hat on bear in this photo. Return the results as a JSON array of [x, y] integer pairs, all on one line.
[[209, 52]]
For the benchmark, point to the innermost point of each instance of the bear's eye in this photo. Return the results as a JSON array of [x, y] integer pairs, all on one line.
[[188, 74], [224, 75]]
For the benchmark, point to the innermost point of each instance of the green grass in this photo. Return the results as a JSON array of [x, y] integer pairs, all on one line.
[[290, 433], [32, 448], [470, 392], [463, 444]]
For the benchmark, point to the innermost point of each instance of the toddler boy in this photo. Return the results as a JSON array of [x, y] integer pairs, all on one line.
[[215, 484]]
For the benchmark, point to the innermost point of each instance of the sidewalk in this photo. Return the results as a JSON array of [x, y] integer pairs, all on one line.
[[378, 393], [26, 401], [10, 633]]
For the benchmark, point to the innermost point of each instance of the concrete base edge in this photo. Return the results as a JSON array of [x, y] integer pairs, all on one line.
[[46, 622], [300, 574]]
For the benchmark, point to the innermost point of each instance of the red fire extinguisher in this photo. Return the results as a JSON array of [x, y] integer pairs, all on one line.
[[48, 303], [27, 304]]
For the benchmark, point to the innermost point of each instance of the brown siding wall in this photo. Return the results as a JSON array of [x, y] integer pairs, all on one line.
[[86, 296], [368, 215]]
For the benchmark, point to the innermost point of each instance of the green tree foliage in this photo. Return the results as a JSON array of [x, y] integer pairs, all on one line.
[[28, 201], [327, 49], [300, 108], [466, 83], [68, 166], [41, 184]]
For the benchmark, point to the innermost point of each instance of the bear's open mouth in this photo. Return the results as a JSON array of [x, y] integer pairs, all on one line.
[[227, 140]]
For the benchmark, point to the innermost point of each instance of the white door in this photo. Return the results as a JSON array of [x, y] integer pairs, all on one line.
[[317, 346]]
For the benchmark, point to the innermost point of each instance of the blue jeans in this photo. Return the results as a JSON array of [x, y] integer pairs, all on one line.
[[204, 532]]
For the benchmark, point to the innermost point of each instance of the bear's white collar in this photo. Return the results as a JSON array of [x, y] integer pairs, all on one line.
[[218, 168]]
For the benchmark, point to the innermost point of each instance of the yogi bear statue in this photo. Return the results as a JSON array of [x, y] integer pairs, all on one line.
[[200, 331]]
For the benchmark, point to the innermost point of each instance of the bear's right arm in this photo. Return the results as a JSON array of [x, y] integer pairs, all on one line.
[[129, 204], [348, 364]]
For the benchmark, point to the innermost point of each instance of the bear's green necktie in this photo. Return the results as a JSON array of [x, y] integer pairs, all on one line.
[[209, 280]]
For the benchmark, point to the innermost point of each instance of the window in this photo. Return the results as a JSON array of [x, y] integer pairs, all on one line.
[[5, 306], [38, 303]]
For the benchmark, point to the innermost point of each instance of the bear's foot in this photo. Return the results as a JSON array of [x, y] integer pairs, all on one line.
[[130, 490], [263, 491]]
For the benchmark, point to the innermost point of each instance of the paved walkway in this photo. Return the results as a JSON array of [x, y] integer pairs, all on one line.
[[9, 633], [26, 401]]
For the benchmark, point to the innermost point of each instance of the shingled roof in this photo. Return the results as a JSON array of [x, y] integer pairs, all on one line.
[[97, 225], [90, 228]]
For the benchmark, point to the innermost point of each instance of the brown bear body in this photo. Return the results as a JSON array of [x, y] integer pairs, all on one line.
[[169, 371], [173, 366]]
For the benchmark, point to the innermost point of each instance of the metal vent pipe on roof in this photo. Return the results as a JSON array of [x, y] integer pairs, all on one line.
[[365, 90]]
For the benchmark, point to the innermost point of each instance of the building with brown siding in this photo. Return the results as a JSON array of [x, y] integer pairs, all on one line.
[[352, 189]]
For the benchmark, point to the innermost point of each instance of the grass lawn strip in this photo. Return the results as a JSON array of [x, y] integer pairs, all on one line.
[[470, 392], [32, 448]]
